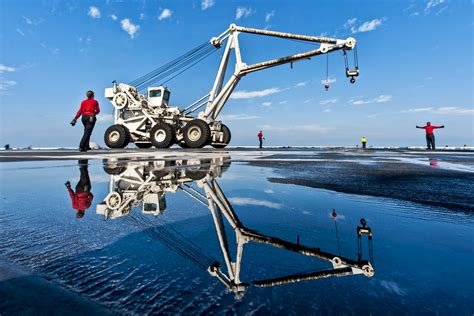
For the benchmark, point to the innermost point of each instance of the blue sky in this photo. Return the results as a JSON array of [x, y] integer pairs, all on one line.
[[416, 61]]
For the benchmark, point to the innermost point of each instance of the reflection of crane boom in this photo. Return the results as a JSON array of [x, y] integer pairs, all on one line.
[[134, 183], [148, 119]]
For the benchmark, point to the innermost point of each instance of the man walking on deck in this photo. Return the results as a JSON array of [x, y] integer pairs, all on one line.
[[364, 142], [260, 138], [430, 138], [89, 110]]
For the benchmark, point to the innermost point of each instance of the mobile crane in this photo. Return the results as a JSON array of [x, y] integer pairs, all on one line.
[[148, 120], [145, 183]]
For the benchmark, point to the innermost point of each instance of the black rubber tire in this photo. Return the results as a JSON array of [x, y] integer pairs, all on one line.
[[227, 137], [143, 145], [117, 136], [183, 145], [196, 134], [169, 136], [115, 168]]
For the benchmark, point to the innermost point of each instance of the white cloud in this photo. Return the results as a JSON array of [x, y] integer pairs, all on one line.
[[113, 17], [367, 26], [268, 191], [328, 101], [310, 128], [251, 201], [380, 99], [129, 27], [20, 32], [242, 94], [238, 117], [432, 3], [27, 20], [454, 110], [165, 14], [301, 84], [350, 23], [416, 110], [206, 4], [6, 84], [326, 110], [330, 81], [267, 104], [142, 16], [94, 12], [4, 68], [243, 12], [269, 16], [283, 102]]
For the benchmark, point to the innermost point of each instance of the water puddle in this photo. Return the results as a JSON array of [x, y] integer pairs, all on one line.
[[207, 234]]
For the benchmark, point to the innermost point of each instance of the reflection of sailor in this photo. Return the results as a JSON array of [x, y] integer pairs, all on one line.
[[82, 198]]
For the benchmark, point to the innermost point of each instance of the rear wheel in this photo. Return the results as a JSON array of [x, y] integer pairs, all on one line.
[[196, 134], [162, 135], [226, 139], [117, 136], [143, 145]]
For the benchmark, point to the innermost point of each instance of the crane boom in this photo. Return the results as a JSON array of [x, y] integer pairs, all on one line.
[[220, 93]]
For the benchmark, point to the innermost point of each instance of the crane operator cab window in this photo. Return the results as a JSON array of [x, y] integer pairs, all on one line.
[[158, 96]]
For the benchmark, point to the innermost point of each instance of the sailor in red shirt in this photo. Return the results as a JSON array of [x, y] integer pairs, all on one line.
[[82, 198], [89, 109], [260, 138], [430, 138]]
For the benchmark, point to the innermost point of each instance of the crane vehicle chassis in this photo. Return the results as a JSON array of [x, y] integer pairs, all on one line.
[[148, 120]]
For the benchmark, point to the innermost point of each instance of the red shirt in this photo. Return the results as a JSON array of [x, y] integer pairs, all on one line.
[[429, 129], [88, 107], [81, 200], [260, 135]]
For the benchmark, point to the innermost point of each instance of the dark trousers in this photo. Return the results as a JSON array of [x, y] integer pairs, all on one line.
[[363, 144], [89, 123], [430, 141], [261, 142], [84, 183]]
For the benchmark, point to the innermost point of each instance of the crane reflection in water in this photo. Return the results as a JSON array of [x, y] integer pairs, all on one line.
[[143, 184]]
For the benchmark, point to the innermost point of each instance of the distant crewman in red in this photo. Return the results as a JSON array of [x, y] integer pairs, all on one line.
[[260, 138], [430, 138], [89, 110], [82, 198]]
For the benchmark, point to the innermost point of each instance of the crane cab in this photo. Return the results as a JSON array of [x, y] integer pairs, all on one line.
[[158, 96]]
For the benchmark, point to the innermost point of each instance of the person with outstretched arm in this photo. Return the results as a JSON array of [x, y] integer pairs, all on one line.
[[430, 138], [89, 110]]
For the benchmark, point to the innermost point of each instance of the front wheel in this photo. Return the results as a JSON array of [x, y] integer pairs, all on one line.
[[117, 136], [226, 138], [196, 133], [161, 135]]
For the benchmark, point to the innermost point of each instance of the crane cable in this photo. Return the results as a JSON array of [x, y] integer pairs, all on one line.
[[326, 86], [177, 65], [170, 63]]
